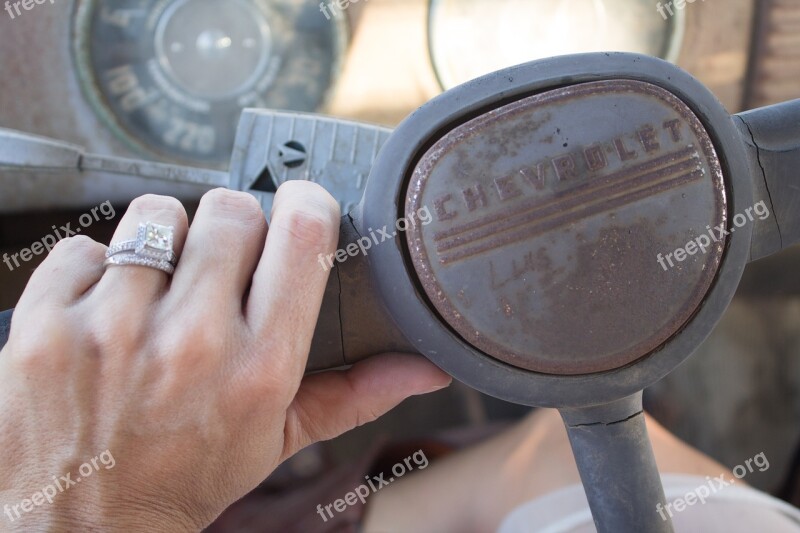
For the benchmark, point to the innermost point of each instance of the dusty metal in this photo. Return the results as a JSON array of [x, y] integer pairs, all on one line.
[[552, 244], [622, 424], [27, 152], [273, 147]]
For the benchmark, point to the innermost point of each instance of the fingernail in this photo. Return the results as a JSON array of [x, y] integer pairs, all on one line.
[[436, 387]]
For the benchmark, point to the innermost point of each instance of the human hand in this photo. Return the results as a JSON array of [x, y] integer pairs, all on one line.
[[193, 385]]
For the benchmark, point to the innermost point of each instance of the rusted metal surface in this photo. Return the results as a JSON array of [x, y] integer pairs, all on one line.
[[549, 216]]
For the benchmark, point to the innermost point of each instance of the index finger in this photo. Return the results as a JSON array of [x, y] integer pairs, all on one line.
[[289, 282]]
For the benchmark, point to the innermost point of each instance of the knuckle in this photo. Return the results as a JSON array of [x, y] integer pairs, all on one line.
[[40, 344], [111, 333], [365, 415], [193, 342], [257, 383], [259, 377], [307, 226], [76, 245], [235, 205]]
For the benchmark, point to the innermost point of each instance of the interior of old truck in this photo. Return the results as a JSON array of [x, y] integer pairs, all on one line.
[[588, 213]]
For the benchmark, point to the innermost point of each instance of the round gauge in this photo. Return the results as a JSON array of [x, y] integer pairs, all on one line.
[[170, 77], [470, 38]]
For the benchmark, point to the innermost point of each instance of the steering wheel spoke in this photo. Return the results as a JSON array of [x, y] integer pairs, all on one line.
[[772, 139], [617, 466]]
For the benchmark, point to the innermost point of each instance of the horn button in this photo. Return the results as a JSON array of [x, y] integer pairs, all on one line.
[[556, 221]]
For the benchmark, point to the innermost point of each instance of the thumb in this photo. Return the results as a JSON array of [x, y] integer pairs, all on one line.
[[329, 404]]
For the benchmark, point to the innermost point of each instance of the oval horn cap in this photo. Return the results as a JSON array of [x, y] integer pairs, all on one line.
[[555, 225]]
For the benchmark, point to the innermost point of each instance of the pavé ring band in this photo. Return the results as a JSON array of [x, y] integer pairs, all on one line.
[[135, 260]]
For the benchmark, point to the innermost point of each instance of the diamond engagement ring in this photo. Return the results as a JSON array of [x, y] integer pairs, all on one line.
[[151, 248]]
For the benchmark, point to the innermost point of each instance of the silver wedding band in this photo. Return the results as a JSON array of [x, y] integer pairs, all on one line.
[[152, 248]]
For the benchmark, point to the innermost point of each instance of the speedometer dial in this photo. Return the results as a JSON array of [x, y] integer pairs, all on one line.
[[170, 77], [469, 38]]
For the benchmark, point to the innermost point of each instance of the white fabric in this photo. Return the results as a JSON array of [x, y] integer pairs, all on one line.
[[732, 509]]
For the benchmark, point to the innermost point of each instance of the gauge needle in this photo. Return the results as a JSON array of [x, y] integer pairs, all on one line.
[[28, 152]]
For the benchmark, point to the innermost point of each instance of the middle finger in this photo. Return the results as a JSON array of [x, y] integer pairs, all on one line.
[[222, 250]]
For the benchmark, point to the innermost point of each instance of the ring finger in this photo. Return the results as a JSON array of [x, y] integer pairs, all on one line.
[[132, 287]]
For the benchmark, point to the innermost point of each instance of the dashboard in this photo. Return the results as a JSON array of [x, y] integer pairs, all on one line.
[[167, 79]]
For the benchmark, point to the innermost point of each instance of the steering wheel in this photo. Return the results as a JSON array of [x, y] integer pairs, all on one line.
[[562, 234]]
